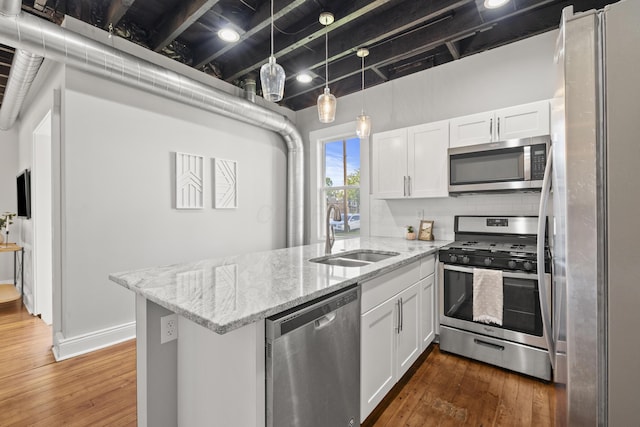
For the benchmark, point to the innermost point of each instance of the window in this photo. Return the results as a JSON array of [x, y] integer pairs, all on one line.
[[341, 180]]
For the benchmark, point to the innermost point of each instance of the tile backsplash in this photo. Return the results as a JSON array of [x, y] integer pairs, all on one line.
[[390, 217]]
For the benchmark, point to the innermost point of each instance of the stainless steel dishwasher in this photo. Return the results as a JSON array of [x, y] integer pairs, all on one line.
[[313, 363]]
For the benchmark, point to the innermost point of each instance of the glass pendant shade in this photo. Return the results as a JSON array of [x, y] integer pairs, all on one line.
[[327, 107], [272, 79], [363, 126]]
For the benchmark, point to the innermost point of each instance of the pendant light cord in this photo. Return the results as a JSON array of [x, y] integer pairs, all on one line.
[[326, 56], [363, 85], [271, 27]]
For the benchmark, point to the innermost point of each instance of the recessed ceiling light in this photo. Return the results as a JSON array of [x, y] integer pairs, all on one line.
[[492, 4], [304, 78], [229, 35]]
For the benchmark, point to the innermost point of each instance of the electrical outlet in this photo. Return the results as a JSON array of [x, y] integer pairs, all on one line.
[[168, 328], [420, 213]]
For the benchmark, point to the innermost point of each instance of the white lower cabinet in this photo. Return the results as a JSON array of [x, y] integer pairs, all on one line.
[[395, 312], [428, 314], [409, 331], [378, 355]]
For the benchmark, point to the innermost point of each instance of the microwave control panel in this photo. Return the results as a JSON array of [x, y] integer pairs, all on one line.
[[538, 161]]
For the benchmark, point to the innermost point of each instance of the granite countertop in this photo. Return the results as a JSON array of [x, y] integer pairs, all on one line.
[[224, 294]]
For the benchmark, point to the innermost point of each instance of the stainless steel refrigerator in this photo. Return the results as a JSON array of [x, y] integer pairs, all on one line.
[[595, 176]]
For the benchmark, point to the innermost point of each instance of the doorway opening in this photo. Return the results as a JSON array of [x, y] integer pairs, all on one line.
[[42, 249]]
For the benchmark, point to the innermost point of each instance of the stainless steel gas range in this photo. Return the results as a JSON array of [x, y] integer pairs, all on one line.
[[484, 245]]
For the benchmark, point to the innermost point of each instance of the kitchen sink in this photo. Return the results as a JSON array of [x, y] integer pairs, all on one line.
[[359, 258]]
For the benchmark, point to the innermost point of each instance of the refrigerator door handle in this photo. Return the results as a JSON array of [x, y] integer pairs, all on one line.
[[542, 289]]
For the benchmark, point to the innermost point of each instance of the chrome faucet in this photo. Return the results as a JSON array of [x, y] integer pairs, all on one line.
[[331, 236]]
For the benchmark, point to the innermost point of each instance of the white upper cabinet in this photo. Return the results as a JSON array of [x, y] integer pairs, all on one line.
[[471, 130], [427, 159], [521, 121], [411, 162], [389, 169]]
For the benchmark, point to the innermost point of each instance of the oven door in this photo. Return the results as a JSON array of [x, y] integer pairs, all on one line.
[[521, 320]]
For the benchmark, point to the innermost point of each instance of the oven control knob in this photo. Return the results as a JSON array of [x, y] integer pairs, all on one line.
[[487, 261], [453, 257], [527, 265], [465, 259], [512, 264]]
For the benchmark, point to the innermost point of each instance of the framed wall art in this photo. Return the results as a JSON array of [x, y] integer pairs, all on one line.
[[425, 231]]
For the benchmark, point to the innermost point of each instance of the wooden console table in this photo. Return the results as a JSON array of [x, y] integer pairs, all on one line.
[[12, 247]]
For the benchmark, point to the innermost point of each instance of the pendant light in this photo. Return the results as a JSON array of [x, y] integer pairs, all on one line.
[[326, 101], [272, 75], [363, 122]]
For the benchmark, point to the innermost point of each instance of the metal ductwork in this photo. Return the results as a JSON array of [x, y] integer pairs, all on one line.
[[10, 7], [46, 39], [24, 68]]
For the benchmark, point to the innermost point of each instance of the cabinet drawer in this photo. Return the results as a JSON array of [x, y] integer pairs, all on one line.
[[427, 266], [381, 288]]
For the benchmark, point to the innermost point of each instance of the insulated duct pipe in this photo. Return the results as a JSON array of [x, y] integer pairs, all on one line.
[[46, 39], [10, 7], [24, 68]]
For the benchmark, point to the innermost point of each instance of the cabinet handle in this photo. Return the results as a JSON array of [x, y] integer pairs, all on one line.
[[404, 186], [491, 129], [498, 128], [409, 185], [401, 315]]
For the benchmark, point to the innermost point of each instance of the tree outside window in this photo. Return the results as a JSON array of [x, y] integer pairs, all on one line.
[[342, 184]]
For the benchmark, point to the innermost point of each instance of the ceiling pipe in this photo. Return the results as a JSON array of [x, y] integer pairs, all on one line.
[[24, 68], [10, 7], [46, 39]]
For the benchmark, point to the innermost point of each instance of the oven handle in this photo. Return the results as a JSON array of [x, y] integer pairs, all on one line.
[[507, 274], [542, 217]]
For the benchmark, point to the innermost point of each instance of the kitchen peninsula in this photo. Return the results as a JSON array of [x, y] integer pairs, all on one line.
[[214, 372]]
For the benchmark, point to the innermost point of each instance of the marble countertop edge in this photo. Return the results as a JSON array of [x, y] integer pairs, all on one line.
[[159, 284]]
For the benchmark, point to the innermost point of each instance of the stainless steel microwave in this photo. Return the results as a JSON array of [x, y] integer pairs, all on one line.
[[512, 165]]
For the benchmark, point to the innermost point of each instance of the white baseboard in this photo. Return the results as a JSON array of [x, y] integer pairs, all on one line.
[[27, 301], [65, 348]]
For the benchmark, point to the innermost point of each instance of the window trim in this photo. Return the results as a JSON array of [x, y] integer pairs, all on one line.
[[317, 139]]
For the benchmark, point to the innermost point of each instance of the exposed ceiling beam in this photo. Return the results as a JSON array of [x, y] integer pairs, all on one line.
[[356, 10], [409, 15], [204, 54], [419, 42], [453, 49], [116, 11], [181, 18], [39, 4], [379, 73]]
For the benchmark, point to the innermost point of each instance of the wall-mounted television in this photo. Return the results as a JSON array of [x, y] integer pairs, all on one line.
[[23, 182]]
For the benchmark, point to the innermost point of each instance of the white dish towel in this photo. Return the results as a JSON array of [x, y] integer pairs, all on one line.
[[487, 296]]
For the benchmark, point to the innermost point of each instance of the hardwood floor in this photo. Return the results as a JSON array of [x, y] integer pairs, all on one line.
[[448, 390], [99, 389]]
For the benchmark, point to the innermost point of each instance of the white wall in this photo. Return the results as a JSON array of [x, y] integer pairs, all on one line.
[[118, 199], [116, 193], [514, 74], [8, 201]]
